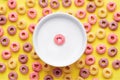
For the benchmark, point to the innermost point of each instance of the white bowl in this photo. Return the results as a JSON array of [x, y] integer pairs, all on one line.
[[75, 39]]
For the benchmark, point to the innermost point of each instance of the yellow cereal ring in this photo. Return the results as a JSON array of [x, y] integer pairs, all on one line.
[[21, 24], [99, 3], [93, 70], [91, 37], [67, 69], [67, 77], [30, 3], [102, 13], [79, 78], [12, 64], [21, 9], [107, 72], [80, 63], [3, 10], [46, 67], [34, 55], [100, 33]]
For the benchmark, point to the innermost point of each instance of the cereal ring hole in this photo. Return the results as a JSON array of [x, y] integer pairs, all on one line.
[[31, 12], [1, 66], [12, 3], [43, 1], [103, 61], [6, 53], [92, 18], [90, 6], [107, 72], [84, 72], [4, 40], [112, 50], [118, 15], [88, 48], [67, 67], [46, 65], [1, 19], [1, 8], [80, 13], [101, 48], [57, 72], [34, 76], [23, 69], [112, 37], [22, 57], [80, 62], [11, 62], [94, 69], [12, 16], [111, 5], [90, 59]]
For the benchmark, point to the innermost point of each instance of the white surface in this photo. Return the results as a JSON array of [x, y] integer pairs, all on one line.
[[75, 39]]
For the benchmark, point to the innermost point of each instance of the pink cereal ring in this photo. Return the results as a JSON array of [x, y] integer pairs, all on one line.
[[34, 76], [32, 13], [81, 14], [6, 54], [1, 31], [112, 38], [92, 19], [111, 6], [101, 49], [31, 27], [59, 39], [12, 4], [23, 35], [36, 66], [87, 27], [79, 3], [15, 46], [46, 11], [54, 4], [89, 60], [89, 49], [117, 16], [13, 16]]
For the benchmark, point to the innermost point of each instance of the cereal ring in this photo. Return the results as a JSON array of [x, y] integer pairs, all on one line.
[[14, 46], [3, 20], [112, 51], [36, 66], [116, 16], [112, 38], [103, 62], [113, 25], [31, 27], [34, 55], [79, 78], [59, 39], [84, 73], [48, 77], [13, 16], [23, 58], [12, 63], [21, 24], [80, 14], [66, 3], [111, 6], [12, 75], [57, 72], [43, 3], [46, 11], [67, 69], [94, 70], [27, 47], [2, 67], [23, 35], [80, 63], [79, 3], [30, 3], [87, 27], [100, 33], [23, 69], [21, 9], [11, 30], [102, 12], [46, 67], [103, 23], [6, 54], [3, 10], [90, 60], [32, 13], [1, 31], [101, 49], [91, 7], [34, 76], [107, 72], [89, 49], [12, 4], [116, 64], [67, 77], [99, 3], [4, 41], [91, 37], [54, 4], [92, 19]]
